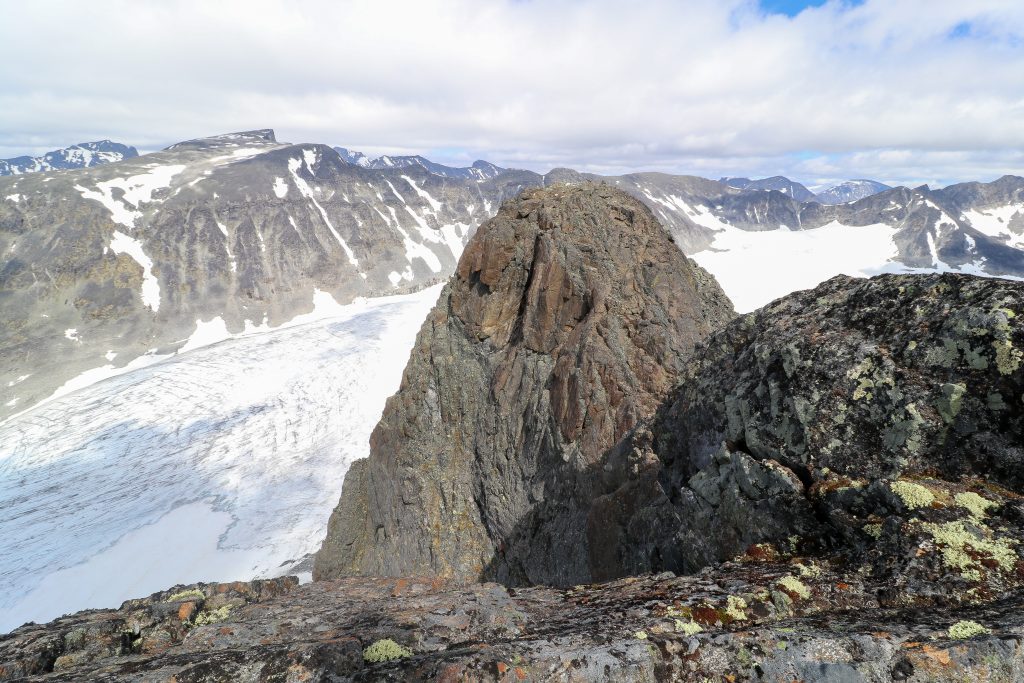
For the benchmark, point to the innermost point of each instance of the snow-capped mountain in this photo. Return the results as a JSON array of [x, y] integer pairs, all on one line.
[[850, 191], [121, 263], [479, 171], [109, 267], [196, 318], [777, 183], [82, 155]]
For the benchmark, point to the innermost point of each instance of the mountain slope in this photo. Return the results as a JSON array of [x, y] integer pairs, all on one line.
[[107, 265], [82, 155]]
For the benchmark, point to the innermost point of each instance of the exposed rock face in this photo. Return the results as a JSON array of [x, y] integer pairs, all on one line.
[[568, 320], [878, 423]]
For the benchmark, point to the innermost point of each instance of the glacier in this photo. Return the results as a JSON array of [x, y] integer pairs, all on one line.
[[219, 464]]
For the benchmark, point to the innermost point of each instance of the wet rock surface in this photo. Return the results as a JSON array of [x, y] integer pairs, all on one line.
[[568, 320]]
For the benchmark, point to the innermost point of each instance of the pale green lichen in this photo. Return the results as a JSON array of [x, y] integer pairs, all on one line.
[[949, 404], [1008, 359], [689, 628], [976, 505], [957, 539], [913, 495], [967, 629], [809, 570], [213, 616], [995, 402], [734, 607], [190, 594], [794, 586], [385, 650], [905, 432], [873, 530], [640, 635]]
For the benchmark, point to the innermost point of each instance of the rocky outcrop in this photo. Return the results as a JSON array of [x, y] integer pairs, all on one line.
[[878, 423], [751, 621], [568, 320]]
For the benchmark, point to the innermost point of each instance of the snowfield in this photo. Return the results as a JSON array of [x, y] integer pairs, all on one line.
[[219, 464]]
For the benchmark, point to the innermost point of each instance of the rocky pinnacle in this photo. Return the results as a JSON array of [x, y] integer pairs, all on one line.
[[568, 320]]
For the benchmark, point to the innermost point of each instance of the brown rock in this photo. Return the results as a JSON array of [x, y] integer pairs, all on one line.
[[568, 320]]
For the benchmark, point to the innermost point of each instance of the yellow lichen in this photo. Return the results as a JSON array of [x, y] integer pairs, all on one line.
[[956, 539], [974, 504], [190, 594], [214, 616], [809, 570], [913, 495], [735, 607], [1008, 359], [967, 629], [688, 627], [794, 586], [873, 530], [385, 650]]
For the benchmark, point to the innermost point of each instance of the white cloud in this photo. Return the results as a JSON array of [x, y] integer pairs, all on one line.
[[703, 86]]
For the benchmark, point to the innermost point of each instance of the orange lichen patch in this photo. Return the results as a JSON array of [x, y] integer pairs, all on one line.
[[502, 668], [842, 586], [520, 674], [940, 656], [400, 586], [186, 610]]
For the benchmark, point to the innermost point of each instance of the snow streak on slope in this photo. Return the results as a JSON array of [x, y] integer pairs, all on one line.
[[219, 464]]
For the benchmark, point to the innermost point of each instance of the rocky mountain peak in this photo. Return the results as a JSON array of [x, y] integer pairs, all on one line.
[[568, 319], [245, 137]]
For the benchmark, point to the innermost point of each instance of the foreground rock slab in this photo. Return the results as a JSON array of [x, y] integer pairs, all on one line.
[[777, 621]]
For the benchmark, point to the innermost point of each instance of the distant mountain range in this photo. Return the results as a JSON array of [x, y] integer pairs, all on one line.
[[82, 155], [125, 262], [847, 191], [479, 171]]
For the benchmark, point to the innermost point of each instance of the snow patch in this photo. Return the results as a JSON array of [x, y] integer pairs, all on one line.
[[137, 189], [756, 267], [434, 204], [123, 244], [280, 188]]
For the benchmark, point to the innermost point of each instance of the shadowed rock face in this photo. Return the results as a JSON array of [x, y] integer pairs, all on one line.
[[568, 320], [875, 421]]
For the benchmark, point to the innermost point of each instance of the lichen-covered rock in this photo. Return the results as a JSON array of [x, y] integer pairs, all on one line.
[[881, 421], [752, 621], [569, 317]]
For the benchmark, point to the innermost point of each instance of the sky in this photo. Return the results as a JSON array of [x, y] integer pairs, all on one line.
[[902, 91]]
